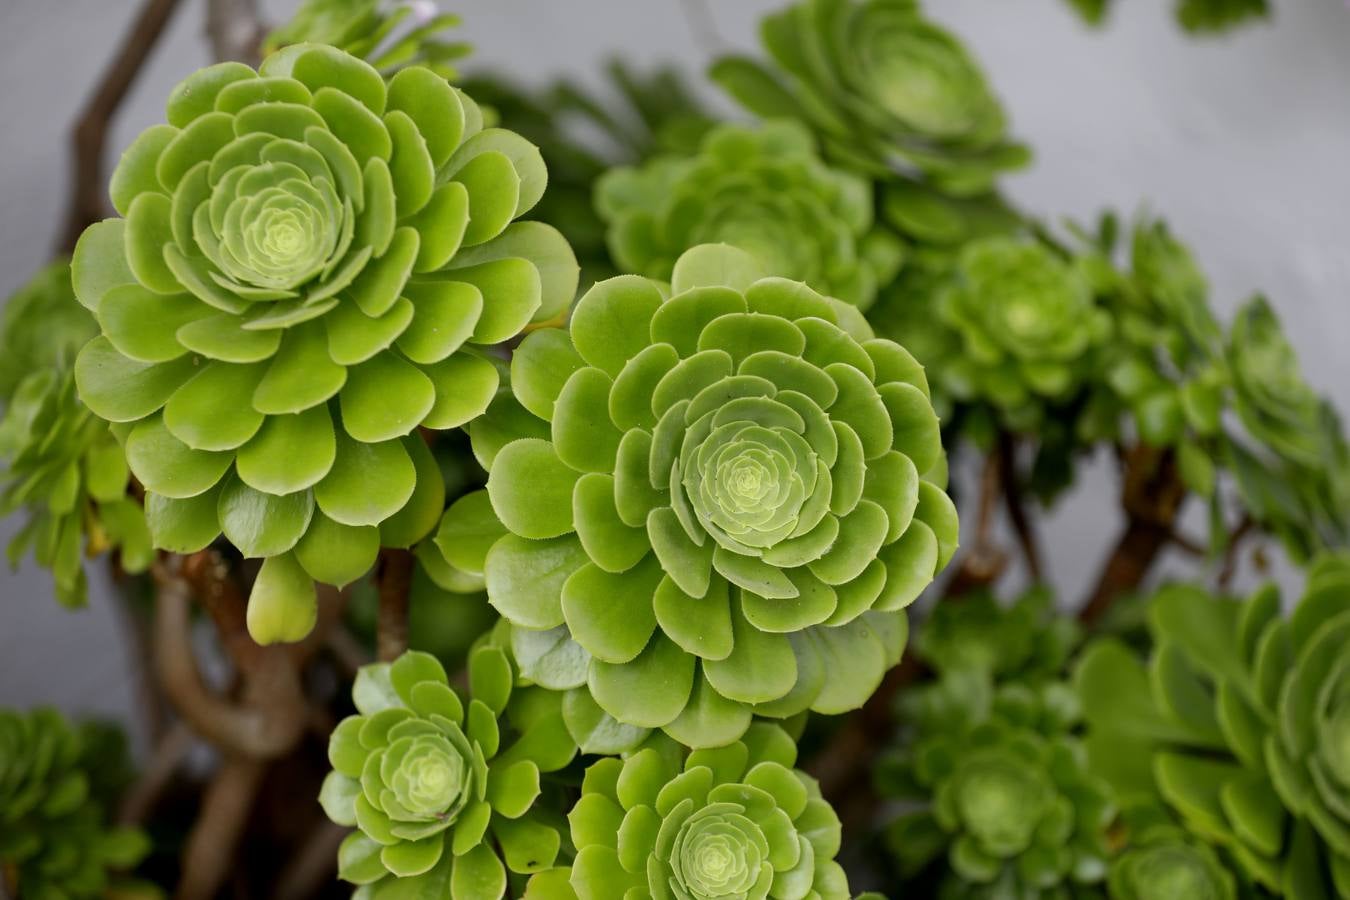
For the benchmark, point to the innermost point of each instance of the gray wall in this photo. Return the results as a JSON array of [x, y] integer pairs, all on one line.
[[1243, 143]]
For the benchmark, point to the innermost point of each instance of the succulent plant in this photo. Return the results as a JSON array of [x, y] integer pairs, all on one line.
[[308, 258], [762, 189], [443, 792], [1024, 640], [1002, 788], [737, 821], [1198, 17], [722, 494], [1163, 860], [388, 34], [65, 470], [1237, 724], [42, 325], [55, 841], [883, 86], [1027, 323]]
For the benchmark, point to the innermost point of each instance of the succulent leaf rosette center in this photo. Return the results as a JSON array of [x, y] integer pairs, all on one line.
[[718, 852], [1001, 803], [734, 484], [428, 776], [1175, 872]]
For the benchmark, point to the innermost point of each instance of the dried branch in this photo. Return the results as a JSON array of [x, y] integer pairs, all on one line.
[[985, 561], [235, 30], [157, 774], [1228, 568], [209, 854], [313, 865], [391, 623], [1017, 513], [1152, 496], [88, 198]]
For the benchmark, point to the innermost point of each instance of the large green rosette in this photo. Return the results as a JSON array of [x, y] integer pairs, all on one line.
[[720, 498], [884, 87], [762, 189], [734, 823], [309, 262], [441, 791], [1238, 724]]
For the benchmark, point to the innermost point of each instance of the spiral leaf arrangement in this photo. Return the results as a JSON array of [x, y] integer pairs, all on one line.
[[884, 87], [737, 821], [720, 495], [442, 792], [308, 258], [1238, 724], [760, 189]]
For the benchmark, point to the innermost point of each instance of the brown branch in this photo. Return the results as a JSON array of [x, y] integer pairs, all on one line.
[[88, 198], [1189, 545], [1152, 496], [1228, 568], [313, 865], [1017, 513], [220, 595], [985, 561], [235, 30], [391, 623], [168, 755], [209, 854]]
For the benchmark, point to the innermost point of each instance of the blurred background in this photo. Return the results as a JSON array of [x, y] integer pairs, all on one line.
[[1241, 142]]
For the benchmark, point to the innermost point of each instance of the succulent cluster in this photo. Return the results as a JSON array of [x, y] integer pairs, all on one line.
[[55, 840], [737, 821], [884, 88], [308, 258], [761, 189], [1164, 860], [388, 34], [1237, 723], [442, 792], [63, 468], [722, 494], [999, 799]]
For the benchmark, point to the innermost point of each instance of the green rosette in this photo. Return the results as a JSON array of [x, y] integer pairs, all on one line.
[[884, 87], [719, 497], [55, 841], [1001, 790], [66, 473], [1163, 860], [1237, 723], [388, 34], [733, 823], [310, 262], [1028, 324], [762, 189], [442, 793]]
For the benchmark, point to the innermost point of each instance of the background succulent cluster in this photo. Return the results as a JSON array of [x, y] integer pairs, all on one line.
[[589, 546]]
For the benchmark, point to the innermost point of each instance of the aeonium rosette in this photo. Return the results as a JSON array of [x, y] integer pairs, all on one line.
[[762, 189], [441, 791], [736, 822], [725, 496], [308, 257], [884, 86]]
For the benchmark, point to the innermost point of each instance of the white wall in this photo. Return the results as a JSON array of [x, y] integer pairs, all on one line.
[[1243, 143]]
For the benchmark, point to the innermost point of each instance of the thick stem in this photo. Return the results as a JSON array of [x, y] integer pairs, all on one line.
[[985, 561], [391, 624], [210, 851], [157, 774], [1017, 513], [88, 196], [1152, 498]]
